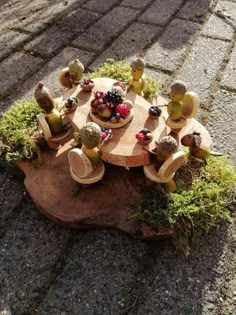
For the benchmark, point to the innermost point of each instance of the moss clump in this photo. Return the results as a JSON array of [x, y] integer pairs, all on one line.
[[18, 132], [121, 71], [201, 202]]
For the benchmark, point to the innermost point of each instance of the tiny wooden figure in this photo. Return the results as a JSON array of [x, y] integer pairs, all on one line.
[[168, 160], [137, 83], [183, 105], [71, 75], [193, 141], [46, 102], [50, 122], [85, 164]]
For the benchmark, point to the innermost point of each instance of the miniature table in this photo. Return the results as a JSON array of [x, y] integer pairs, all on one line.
[[123, 149]]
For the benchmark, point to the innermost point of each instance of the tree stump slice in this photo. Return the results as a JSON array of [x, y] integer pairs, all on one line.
[[109, 203]]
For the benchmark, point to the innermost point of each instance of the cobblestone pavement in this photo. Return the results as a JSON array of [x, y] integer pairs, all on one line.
[[49, 269]]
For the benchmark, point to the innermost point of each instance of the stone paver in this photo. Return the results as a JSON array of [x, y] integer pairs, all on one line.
[[169, 51], [201, 66], [62, 33], [177, 285], [9, 198], [133, 40], [216, 27], [195, 10], [37, 15], [19, 13], [227, 10], [103, 287], [106, 28], [49, 73], [162, 79], [100, 6], [160, 12], [31, 252], [221, 123], [10, 40], [229, 78], [138, 4], [15, 69]]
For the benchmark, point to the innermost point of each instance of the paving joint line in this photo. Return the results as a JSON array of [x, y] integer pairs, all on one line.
[[57, 269], [216, 84], [164, 27], [216, 38], [135, 20]]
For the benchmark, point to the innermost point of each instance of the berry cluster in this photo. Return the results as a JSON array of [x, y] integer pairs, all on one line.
[[109, 106], [112, 98]]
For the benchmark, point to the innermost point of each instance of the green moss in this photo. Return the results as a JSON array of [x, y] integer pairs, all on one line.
[[202, 201], [121, 71], [18, 132]]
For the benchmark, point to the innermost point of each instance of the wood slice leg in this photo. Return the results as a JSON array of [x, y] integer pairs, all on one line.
[[171, 186]]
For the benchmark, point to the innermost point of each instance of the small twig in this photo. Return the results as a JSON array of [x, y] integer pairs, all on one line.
[[108, 137]]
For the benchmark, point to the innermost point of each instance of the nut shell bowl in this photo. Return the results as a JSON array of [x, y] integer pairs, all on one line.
[[144, 133], [70, 105], [87, 85], [145, 142]]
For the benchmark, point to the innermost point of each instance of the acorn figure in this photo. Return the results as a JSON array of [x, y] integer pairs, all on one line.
[[85, 165], [137, 83], [168, 160], [71, 75], [90, 136], [52, 115], [193, 141], [183, 105], [166, 147]]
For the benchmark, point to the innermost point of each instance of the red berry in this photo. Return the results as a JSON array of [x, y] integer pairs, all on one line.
[[100, 94], [123, 110], [100, 101], [103, 135], [122, 85], [140, 136]]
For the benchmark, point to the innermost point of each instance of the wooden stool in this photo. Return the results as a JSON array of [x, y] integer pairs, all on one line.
[[81, 168], [191, 105], [53, 142], [167, 170]]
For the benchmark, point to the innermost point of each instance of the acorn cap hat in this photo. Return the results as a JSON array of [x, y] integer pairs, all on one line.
[[138, 63]]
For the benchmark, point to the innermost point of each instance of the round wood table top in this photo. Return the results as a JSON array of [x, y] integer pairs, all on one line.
[[123, 149]]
